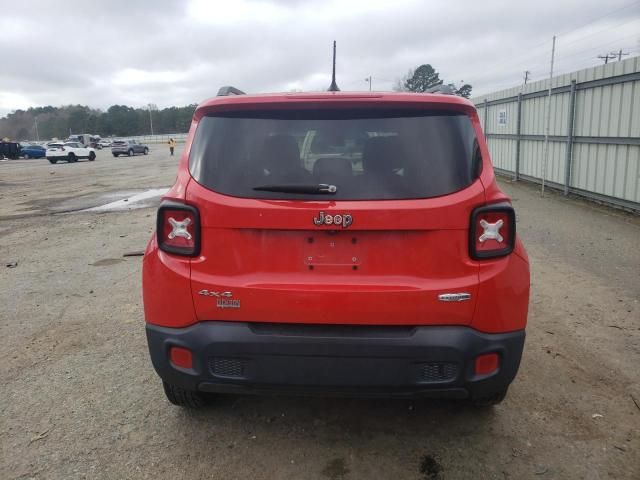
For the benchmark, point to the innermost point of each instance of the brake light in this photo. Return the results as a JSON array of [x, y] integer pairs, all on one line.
[[492, 232], [178, 229]]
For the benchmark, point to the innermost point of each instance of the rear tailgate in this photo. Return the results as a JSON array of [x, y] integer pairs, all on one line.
[[267, 261], [406, 179]]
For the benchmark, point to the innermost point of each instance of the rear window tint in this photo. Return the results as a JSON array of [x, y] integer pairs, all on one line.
[[367, 155]]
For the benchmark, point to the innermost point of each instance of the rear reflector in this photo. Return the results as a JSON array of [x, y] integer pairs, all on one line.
[[181, 357], [492, 232], [487, 364], [178, 229]]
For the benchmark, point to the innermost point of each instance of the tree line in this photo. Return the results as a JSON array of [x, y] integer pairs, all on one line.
[[121, 120], [118, 120]]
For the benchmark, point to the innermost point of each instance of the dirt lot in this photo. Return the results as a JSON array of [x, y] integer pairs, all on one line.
[[79, 398]]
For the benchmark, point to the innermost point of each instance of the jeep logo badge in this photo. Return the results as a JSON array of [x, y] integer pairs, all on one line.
[[343, 220]]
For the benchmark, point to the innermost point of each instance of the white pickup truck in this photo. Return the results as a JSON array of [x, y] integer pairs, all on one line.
[[69, 152]]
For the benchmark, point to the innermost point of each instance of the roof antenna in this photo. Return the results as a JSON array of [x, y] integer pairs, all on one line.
[[334, 85]]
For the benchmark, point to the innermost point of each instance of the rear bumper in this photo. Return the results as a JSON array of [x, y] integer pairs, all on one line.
[[429, 361]]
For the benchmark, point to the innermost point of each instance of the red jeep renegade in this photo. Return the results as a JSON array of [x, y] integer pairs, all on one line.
[[336, 243]]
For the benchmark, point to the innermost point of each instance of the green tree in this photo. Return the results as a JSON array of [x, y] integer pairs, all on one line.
[[464, 90], [425, 77], [421, 79]]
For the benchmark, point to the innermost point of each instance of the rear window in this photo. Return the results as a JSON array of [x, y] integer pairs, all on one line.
[[367, 155]]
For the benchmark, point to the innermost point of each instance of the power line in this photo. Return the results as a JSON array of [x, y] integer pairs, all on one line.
[[526, 59], [532, 50], [615, 25], [595, 48], [584, 56], [598, 18]]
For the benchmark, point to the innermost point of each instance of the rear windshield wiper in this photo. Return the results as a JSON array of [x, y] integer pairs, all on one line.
[[319, 188]]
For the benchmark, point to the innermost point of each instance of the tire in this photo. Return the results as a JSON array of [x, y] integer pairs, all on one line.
[[489, 401], [146, 151], [71, 158], [52, 161], [184, 398], [26, 156], [115, 154], [92, 156], [130, 152]]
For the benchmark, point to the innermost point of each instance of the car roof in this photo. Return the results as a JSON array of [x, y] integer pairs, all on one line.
[[348, 99]]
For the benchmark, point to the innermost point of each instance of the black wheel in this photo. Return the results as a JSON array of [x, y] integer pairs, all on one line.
[[71, 158], [146, 151], [130, 152], [489, 400], [26, 156], [115, 154], [51, 160], [92, 156], [182, 397]]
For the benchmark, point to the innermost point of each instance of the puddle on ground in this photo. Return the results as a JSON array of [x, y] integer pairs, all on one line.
[[139, 200], [121, 200]]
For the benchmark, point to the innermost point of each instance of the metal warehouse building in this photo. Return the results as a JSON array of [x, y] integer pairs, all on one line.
[[594, 137]]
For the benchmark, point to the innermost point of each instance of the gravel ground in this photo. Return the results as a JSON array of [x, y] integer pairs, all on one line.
[[80, 399]]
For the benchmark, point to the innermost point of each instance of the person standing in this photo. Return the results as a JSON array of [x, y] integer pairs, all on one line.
[[172, 145]]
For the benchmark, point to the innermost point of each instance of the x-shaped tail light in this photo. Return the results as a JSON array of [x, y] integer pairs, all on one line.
[[179, 229], [491, 231]]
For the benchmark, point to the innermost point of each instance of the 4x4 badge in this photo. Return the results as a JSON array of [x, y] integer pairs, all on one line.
[[223, 299], [343, 220]]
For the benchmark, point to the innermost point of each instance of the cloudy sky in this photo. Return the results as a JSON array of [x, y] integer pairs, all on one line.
[[176, 52]]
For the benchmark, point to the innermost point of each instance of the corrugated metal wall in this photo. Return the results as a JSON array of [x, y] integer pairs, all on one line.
[[599, 159]]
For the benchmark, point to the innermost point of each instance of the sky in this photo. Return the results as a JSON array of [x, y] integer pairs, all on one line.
[[179, 52]]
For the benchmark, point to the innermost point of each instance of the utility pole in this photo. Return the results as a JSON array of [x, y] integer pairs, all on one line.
[[548, 118], [151, 107], [619, 54], [37, 134], [526, 76], [368, 79], [607, 56]]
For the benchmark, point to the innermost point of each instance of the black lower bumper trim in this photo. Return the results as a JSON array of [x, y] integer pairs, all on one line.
[[363, 361]]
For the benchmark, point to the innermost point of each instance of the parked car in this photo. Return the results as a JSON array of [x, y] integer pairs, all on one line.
[[10, 150], [104, 143], [33, 151], [128, 147], [336, 244], [70, 152]]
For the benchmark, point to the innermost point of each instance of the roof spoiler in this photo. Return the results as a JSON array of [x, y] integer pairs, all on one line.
[[444, 89], [229, 90]]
